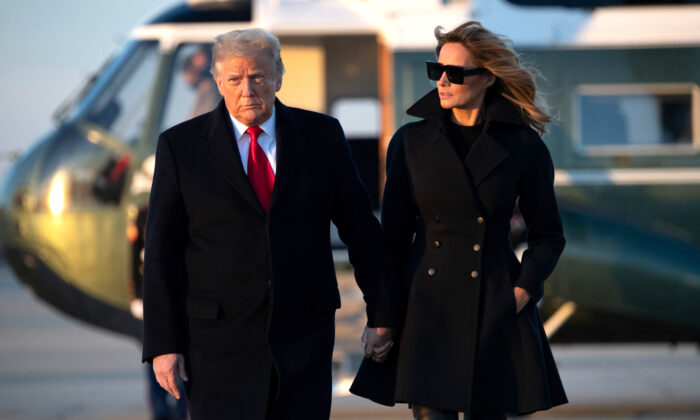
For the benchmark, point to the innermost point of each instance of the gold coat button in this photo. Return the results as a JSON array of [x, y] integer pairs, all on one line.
[[432, 271], [475, 274], [437, 244], [480, 220], [477, 247]]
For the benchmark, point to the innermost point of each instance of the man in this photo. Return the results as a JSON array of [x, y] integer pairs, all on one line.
[[195, 72], [239, 287]]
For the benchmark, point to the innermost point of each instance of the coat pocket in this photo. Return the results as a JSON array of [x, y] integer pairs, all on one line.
[[202, 307]]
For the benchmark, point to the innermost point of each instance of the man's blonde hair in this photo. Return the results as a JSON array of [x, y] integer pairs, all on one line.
[[246, 43]]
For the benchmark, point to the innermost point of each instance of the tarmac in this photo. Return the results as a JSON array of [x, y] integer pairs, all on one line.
[[54, 367]]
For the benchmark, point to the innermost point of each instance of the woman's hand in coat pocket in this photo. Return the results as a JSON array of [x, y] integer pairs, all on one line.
[[522, 297]]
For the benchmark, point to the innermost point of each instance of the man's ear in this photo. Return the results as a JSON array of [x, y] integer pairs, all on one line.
[[219, 84], [278, 83]]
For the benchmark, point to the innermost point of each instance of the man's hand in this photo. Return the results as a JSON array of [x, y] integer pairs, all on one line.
[[168, 368], [376, 343], [522, 297]]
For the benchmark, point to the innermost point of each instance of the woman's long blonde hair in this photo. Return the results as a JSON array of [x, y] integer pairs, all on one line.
[[495, 53]]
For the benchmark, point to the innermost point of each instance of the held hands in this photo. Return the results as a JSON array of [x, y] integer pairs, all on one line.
[[376, 343], [522, 297], [168, 367]]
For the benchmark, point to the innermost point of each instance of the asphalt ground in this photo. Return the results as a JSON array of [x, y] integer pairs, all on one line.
[[54, 367]]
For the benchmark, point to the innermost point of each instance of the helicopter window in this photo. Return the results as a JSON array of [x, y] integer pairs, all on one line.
[[83, 173], [639, 118], [192, 90], [120, 103]]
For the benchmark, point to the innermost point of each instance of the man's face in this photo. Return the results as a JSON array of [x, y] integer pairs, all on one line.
[[248, 85]]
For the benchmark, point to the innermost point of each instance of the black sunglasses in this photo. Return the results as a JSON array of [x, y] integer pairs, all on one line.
[[455, 74]]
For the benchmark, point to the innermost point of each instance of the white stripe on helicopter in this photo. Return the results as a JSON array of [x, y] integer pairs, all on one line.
[[643, 176]]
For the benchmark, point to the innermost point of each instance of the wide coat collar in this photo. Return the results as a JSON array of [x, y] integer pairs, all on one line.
[[221, 150], [485, 154]]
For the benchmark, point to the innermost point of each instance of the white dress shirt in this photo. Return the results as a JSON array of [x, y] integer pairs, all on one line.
[[266, 140]]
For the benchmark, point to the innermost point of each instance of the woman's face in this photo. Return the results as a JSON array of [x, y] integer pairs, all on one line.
[[470, 94]]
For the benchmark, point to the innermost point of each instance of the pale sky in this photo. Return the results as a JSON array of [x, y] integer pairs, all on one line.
[[48, 49]]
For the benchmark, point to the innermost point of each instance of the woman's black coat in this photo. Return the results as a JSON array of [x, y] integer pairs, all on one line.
[[463, 347]]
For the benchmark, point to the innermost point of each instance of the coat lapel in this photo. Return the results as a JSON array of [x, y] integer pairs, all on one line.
[[220, 149], [484, 156], [290, 147], [442, 158]]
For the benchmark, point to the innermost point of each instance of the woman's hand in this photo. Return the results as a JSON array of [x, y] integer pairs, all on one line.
[[522, 297], [376, 343]]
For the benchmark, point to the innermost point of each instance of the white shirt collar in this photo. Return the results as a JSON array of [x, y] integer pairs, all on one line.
[[267, 140], [268, 127]]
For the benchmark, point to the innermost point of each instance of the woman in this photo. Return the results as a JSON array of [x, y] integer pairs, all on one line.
[[472, 340]]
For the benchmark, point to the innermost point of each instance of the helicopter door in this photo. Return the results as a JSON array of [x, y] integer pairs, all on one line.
[[337, 75]]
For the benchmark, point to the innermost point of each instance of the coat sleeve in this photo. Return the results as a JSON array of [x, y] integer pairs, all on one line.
[[377, 381], [399, 212], [361, 232], [163, 283], [538, 205]]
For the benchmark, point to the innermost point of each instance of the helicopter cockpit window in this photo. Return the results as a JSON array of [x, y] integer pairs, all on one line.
[[120, 102], [79, 174], [637, 118], [192, 90]]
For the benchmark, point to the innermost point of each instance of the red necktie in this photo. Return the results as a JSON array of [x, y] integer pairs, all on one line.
[[259, 170]]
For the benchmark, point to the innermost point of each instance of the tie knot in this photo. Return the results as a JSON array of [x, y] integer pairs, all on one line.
[[254, 131]]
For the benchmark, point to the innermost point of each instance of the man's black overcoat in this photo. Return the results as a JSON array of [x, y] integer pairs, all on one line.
[[463, 347], [249, 297]]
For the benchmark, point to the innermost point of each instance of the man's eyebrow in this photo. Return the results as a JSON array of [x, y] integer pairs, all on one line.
[[255, 72]]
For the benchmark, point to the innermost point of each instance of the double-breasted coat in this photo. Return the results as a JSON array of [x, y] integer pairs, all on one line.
[[463, 347], [249, 297]]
